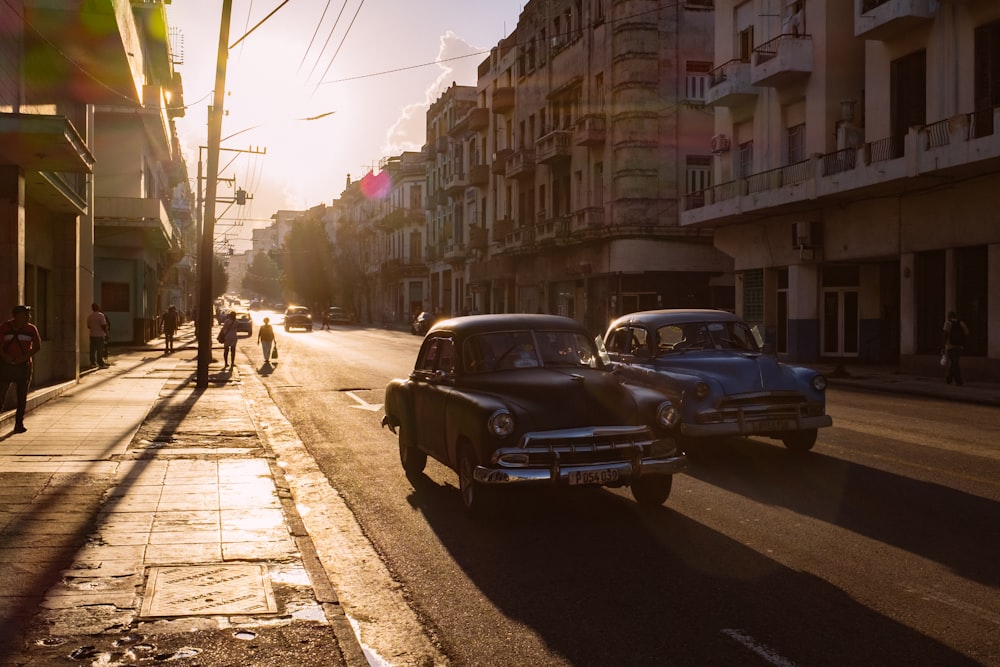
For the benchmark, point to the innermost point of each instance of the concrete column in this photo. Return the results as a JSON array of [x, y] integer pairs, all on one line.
[[803, 313], [12, 243], [67, 321]]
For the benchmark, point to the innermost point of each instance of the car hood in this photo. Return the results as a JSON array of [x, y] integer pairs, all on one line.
[[562, 398], [737, 373]]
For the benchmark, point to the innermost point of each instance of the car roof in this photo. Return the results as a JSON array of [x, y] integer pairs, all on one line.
[[670, 316], [298, 308], [473, 324]]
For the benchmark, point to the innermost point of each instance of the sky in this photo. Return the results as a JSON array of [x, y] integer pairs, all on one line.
[[376, 64]]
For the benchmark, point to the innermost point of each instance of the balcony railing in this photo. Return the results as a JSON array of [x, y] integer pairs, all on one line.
[[782, 60], [954, 143], [590, 130], [554, 147], [503, 99], [729, 84], [521, 163], [886, 19]]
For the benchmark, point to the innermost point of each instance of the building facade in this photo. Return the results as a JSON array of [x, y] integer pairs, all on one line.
[[855, 157]]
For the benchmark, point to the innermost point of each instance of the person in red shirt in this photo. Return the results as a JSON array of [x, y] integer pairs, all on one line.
[[19, 342]]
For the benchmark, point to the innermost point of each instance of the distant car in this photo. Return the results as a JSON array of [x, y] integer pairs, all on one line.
[[515, 400], [715, 368], [244, 323], [423, 322], [336, 315], [298, 317]]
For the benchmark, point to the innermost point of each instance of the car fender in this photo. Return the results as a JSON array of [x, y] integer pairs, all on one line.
[[466, 417], [398, 405]]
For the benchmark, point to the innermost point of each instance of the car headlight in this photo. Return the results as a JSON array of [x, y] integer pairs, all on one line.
[[701, 390], [819, 382], [667, 415], [500, 423]]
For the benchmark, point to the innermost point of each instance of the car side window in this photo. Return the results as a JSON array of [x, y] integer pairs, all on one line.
[[438, 355], [618, 341]]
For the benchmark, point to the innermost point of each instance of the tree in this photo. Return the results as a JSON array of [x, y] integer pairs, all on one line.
[[263, 277], [220, 281], [308, 262]]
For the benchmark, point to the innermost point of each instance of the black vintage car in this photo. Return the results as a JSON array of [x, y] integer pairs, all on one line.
[[298, 317], [512, 400], [422, 323]]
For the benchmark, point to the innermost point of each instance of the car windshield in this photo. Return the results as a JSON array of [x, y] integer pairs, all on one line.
[[508, 350], [705, 336]]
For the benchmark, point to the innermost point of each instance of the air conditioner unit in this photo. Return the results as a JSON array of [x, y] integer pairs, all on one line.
[[807, 234], [720, 143]]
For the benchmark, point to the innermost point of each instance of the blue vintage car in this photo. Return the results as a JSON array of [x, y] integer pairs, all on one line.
[[714, 367], [518, 400]]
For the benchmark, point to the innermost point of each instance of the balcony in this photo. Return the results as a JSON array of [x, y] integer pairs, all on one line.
[[455, 253], [456, 184], [729, 85], [521, 164], [556, 146], [588, 218], [479, 175], [950, 149], [500, 161], [590, 130], [547, 231], [521, 237], [781, 61], [138, 213], [502, 227], [479, 119], [43, 143], [885, 19], [503, 99], [478, 238]]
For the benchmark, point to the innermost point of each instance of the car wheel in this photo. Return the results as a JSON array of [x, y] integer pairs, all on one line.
[[800, 441], [414, 460], [477, 498], [652, 491]]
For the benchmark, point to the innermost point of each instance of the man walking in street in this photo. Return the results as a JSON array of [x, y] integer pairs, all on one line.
[[953, 341], [170, 320], [97, 324], [19, 342]]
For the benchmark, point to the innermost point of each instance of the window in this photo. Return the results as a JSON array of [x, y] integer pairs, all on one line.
[[599, 90], [697, 80], [986, 77], [598, 185], [908, 96], [796, 143], [745, 44], [698, 173], [746, 159]]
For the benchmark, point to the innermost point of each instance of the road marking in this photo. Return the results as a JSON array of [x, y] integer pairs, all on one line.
[[762, 650], [365, 405]]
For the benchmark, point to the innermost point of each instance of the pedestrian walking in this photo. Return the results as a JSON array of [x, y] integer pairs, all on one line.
[[107, 339], [954, 334], [228, 336], [265, 336], [169, 320], [19, 342], [97, 325]]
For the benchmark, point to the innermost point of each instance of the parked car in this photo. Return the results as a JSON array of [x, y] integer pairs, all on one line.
[[298, 317], [336, 315], [514, 400], [244, 323], [715, 368], [422, 323]]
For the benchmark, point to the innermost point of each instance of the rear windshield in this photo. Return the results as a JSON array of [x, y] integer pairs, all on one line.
[[510, 350]]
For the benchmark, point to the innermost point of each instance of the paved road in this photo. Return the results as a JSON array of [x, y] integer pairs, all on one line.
[[878, 547]]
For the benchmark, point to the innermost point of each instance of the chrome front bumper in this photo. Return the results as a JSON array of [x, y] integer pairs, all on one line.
[[755, 427], [627, 471]]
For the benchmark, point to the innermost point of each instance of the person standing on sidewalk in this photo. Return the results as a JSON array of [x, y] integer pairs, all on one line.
[[19, 342], [228, 335], [953, 341], [265, 336], [97, 324], [169, 320]]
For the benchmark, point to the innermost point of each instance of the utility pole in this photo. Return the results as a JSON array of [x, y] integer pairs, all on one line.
[[205, 264]]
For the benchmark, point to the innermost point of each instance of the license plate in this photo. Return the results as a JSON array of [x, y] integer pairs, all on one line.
[[772, 425], [592, 477]]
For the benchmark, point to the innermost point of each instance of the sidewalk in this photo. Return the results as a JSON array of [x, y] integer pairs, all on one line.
[[144, 520]]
